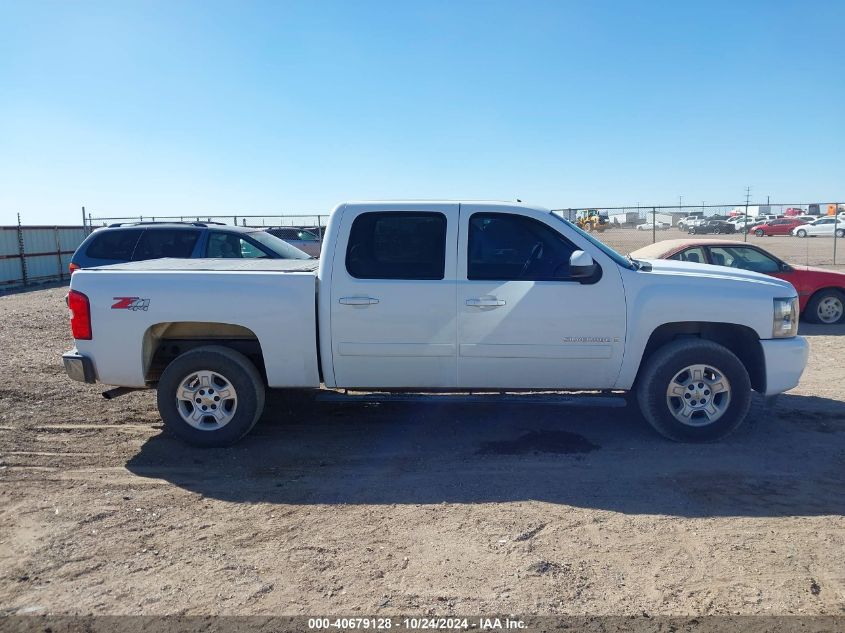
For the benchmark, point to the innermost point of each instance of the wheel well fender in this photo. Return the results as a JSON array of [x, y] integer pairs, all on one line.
[[739, 339], [163, 342], [840, 291]]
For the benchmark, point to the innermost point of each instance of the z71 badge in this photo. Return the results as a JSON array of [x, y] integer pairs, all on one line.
[[130, 303]]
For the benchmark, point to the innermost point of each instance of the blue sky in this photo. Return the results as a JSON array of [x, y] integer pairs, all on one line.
[[267, 107]]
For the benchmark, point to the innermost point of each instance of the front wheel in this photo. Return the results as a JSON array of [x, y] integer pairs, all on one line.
[[692, 230], [759, 233], [210, 396], [801, 233], [826, 307], [694, 390], [840, 232]]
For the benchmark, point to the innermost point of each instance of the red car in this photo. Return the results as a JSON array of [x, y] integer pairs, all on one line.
[[821, 292], [782, 226]]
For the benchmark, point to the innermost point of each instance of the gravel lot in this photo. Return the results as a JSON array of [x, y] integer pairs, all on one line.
[[391, 508]]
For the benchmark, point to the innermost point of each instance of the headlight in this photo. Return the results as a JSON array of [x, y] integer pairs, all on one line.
[[785, 320]]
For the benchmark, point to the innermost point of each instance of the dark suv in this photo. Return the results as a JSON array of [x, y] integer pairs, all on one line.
[[120, 243]]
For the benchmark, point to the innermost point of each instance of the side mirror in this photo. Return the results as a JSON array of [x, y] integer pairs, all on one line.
[[581, 265]]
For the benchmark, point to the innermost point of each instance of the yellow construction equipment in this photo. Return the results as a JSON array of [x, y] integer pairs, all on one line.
[[593, 220]]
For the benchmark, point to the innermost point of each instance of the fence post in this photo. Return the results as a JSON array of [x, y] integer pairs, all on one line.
[[745, 224], [653, 225], [836, 229], [22, 253], [59, 253], [84, 228]]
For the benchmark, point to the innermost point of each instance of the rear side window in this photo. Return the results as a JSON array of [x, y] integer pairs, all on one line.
[[156, 243], [393, 245], [695, 255], [114, 244]]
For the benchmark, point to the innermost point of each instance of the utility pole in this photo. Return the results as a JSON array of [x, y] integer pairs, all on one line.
[[745, 227]]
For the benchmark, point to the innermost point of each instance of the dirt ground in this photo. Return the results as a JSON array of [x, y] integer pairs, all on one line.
[[408, 508]]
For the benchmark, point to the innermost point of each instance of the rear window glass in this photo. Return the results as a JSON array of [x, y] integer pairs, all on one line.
[[156, 243], [114, 244], [395, 245]]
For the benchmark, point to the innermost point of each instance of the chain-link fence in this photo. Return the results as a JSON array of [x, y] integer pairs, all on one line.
[[800, 233], [803, 234]]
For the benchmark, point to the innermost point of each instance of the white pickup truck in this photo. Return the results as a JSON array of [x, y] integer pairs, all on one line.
[[438, 297]]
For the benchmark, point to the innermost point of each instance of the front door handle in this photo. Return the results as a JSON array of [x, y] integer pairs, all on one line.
[[357, 301], [486, 302]]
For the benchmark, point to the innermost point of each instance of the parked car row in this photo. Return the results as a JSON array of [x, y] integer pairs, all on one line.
[[763, 226]]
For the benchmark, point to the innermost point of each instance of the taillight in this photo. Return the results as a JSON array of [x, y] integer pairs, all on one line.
[[80, 315], [73, 267]]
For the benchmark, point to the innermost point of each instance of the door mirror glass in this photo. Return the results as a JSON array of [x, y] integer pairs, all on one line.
[[581, 265]]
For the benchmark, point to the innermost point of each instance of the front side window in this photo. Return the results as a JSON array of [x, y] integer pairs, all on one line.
[[504, 247], [114, 244], [744, 258], [397, 245], [232, 246], [156, 243]]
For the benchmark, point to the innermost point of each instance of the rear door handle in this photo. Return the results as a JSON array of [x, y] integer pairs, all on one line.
[[357, 301], [486, 302]]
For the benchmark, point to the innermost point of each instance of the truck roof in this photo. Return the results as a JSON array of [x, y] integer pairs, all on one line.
[[399, 203], [233, 264]]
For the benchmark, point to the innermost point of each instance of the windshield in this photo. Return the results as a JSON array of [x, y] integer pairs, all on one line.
[[619, 259], [280, 247]]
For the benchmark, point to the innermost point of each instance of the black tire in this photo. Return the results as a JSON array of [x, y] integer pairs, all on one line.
[[759, 233], [717, 231], [811, 312], [661, 368], [691, 230], [840, 232], [801, 233], [237, 369]]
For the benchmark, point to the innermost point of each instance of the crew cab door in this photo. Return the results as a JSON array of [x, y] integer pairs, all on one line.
[[522, 321], [393, 296]]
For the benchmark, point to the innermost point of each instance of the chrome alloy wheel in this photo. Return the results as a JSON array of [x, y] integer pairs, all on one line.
[[206, 400], [830, 309], [698, 395]]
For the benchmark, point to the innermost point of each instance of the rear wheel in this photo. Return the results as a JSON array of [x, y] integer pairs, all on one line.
[[692, 230], [694, 390], [210, 396], [840, 232], [826, 307]]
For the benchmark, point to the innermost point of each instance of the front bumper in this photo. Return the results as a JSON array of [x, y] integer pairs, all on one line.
[[79, 367], [785, 360]]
